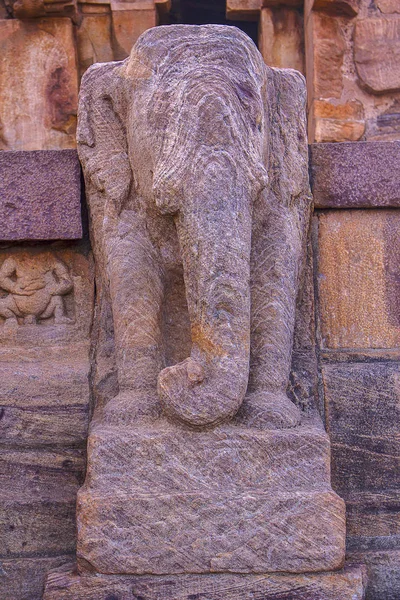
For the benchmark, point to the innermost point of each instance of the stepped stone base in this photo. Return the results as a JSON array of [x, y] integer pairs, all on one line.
[[347, 584], [162, 499]]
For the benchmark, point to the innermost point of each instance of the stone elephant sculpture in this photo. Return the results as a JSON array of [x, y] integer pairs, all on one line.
[[195, 161]]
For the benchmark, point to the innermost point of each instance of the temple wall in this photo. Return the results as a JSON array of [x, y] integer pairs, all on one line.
[[349, 51]]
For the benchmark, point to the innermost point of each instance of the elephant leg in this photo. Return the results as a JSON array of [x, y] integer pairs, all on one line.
[[137, 290], [275, 262]]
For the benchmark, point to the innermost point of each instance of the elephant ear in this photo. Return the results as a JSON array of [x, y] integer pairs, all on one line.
[[288, 173], [101, 135], [288, 149]]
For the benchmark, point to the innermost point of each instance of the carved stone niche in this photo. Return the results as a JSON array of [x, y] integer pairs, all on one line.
[[200, 466]]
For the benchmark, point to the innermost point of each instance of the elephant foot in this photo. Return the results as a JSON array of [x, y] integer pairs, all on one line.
[[130, 407], [188, 396], [268, 410]]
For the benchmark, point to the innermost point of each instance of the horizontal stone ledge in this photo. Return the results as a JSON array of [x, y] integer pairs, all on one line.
[[355, 174], [40, 195], [347, 584]]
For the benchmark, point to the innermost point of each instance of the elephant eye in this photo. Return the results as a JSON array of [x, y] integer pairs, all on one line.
[[245, 95]]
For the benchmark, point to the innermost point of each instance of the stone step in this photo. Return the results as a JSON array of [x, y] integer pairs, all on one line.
[[215, 530], [347, 584], [165, 459]]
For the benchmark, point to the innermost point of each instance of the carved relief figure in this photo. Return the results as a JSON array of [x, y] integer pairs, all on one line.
[[195, 158], [34, 291]]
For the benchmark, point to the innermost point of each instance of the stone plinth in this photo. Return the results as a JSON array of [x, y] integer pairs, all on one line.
[[348, 584], [161, 499], [40, 195]]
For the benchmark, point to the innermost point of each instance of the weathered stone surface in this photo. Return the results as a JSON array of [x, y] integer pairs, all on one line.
[[338, 122], [349, 8], [164, 460], [355, 175], [325, 49], [377, 53], [203, 532], [40, 195], [94, 39], [348, 584], [281, 38], [44, 117], [24, 578], [190, 481], [358, 272], [37, 501], [383, 573], [388, 6], [128, 25], [362, 407], [243, 9]]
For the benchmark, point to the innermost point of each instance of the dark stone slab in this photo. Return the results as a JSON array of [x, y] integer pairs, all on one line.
[[363, 420], [355, 174], [40, 195]]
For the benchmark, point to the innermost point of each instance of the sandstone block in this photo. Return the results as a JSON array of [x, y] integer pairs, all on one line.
[[281, 34], [362, 407], [358, 279], [94, 39], [348, 584], [377, 53], [44, 117], [355, 175], [40, 195], [348, 8], [24, 578], [383, 573], [337, 122], [388, 6], [325, 49], [243, 9], [128, 25], [158, 458]]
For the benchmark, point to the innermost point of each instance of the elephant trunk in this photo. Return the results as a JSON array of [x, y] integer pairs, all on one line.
[[214, 231]]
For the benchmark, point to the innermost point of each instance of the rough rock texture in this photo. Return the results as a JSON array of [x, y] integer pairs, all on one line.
[[377, 53], [44, 409], [358, 175], [352, 70], [40, 195], [39, 67], [348, 584], [358, 278], [208, 518]]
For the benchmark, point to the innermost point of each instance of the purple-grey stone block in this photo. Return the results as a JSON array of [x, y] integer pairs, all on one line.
[[355, 174], [40, 195]]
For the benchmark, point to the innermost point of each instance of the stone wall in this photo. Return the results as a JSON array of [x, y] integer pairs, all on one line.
[[356, 246], [349, 51]]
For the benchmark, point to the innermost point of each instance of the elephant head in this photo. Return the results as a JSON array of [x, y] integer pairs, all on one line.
[[184, 129]]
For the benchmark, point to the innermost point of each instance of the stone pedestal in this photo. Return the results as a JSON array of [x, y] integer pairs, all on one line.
[[160, 498]]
